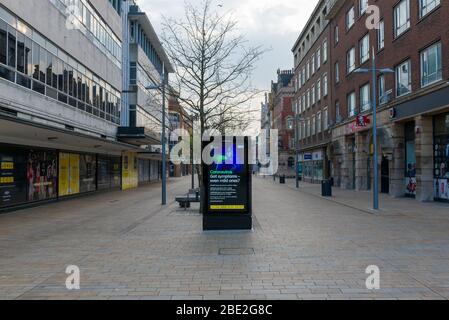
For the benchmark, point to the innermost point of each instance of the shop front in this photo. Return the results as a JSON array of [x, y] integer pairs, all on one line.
[[27, 175], [410, 160], [312, 166], [109, 172], [441, 157]]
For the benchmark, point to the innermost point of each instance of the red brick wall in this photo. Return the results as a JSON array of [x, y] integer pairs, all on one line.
[[422, 33]]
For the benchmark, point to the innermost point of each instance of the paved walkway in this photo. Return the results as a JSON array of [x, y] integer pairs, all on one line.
[[363, 200], [302, 247]]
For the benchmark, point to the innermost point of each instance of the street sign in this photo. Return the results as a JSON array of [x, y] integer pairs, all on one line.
[[226, 199]]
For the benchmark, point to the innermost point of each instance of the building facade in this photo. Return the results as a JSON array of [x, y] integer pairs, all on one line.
[[413, 120], [312, 96], [145, 67], [61, 103], [282, 119], [179, 120]]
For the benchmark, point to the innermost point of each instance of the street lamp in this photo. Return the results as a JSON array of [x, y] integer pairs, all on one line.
[[374, 72], [163, 138], [194, 117], [298, 119]]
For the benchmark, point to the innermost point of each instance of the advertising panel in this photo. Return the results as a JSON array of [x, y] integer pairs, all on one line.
[[226, 196], [74, 173], [130, 171], [64, 178], [12, 179], [42, 175], [227, 182]]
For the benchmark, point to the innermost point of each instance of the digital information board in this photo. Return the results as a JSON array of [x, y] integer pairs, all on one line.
[[227, 187]]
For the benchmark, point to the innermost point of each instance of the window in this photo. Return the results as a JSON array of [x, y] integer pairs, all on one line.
[[381, 36], [312, 94], [382, 90], [350, 60], [313, 125], [2, 42], [425, 6], [318, 58], [325, 119], [324, 51], [401, 17], [431, 66], [351, 104], [350, 18], [337, 73], [364, 49], [11, 47], [290, 124], [308, 70], [312, 64], [336, 34], [318, 122], [365, 97], [307, 98], [318, 90], [363, 6], [325, 85], [308, 127], [338, 118], [403, 79]]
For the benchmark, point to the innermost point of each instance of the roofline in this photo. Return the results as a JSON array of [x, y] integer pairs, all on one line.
[[307, 25], [143, 18]]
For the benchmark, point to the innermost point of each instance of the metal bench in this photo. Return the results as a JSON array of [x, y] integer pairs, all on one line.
[[193, 196]]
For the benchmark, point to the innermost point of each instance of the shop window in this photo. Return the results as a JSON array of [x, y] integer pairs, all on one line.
[[441, 158]]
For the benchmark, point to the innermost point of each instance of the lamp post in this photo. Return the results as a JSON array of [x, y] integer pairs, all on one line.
[[194, 118], [163, 138], [374, 71], [298, 119]]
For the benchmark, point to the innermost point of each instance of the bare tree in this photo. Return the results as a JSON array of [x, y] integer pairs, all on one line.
[[213, 66]]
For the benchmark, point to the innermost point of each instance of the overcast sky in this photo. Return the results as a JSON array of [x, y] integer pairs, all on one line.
[[274, 24]]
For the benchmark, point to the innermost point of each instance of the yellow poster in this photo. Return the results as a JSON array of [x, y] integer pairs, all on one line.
[[74, 173], [130, 171], [64, 162]]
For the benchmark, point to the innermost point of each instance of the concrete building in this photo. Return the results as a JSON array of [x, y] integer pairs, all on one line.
[[413, 116], [61, 83], [282, 119], [145, 66], [312, 95]]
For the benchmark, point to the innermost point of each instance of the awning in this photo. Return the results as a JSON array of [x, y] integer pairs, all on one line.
[[17, 131], [138, 136]]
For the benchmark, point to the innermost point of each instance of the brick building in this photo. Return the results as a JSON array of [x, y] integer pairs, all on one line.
[[178, 119], [312, 95], [413, 117], [282, 119]]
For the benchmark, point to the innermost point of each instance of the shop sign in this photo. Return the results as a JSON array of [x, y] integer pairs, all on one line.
[[308, 157]]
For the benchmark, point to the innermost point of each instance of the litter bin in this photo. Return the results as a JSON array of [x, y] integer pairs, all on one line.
[[326, 188], [282, 179]]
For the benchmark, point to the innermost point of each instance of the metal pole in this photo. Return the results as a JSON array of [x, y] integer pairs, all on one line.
[[375, 164], [296, 150], [164, 155], [193, 166]]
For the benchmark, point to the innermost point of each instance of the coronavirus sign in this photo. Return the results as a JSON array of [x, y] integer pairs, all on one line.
[[227, 186]]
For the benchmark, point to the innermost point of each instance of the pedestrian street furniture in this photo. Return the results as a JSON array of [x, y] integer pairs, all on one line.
[[227, 195], [193, 196]]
